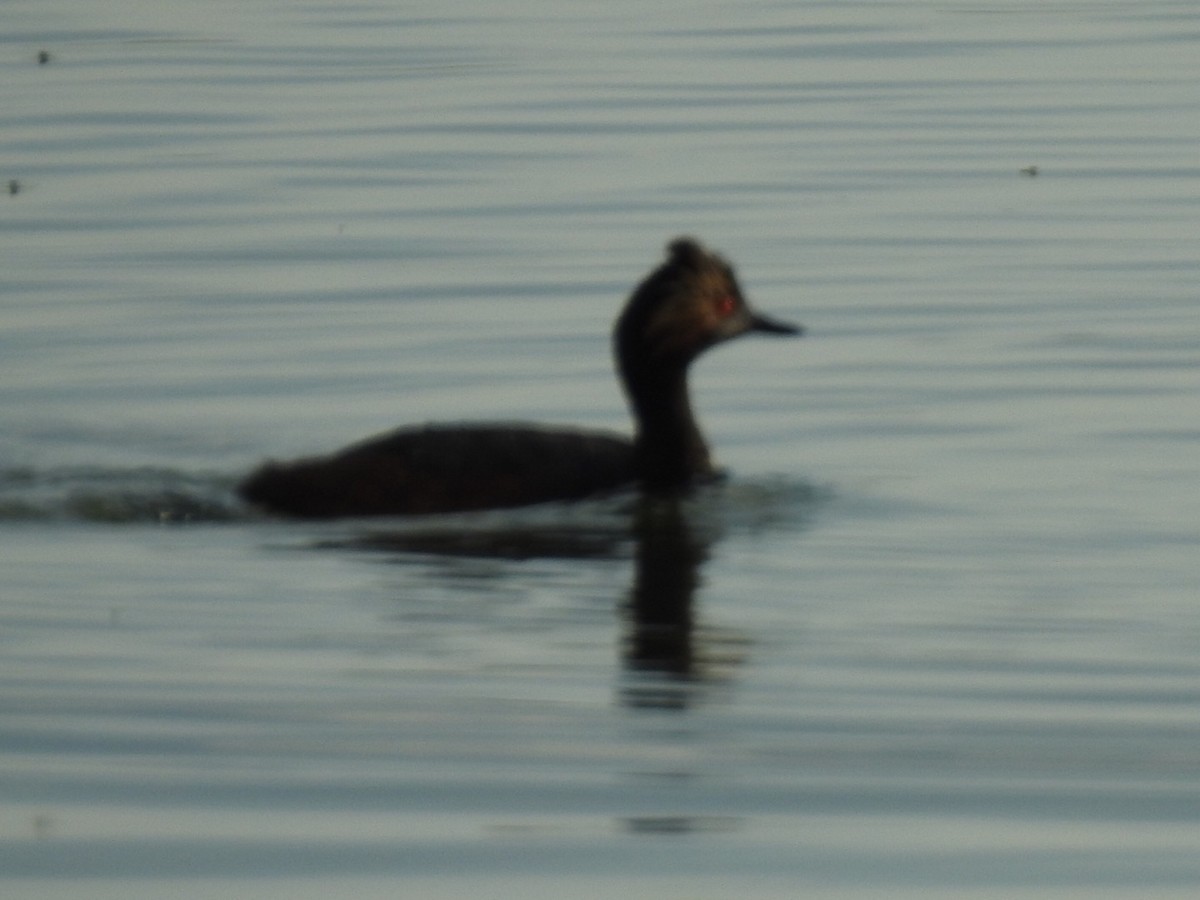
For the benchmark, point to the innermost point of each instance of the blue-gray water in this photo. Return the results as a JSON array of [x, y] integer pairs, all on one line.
[[939, 635]]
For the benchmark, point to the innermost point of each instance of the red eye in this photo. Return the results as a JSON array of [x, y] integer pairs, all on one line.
[[726, 306]]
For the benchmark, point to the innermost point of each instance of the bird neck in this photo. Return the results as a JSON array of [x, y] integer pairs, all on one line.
[[670, 449]]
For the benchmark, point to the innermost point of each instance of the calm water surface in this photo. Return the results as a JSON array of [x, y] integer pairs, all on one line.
[[937, 637]]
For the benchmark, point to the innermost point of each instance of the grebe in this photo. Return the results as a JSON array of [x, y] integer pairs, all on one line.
[[689, 303]]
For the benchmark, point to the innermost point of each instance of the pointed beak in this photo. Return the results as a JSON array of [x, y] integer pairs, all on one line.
[[759, 322]]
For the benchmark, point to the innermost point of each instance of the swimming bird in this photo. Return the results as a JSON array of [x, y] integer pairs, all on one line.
[[691, 302]]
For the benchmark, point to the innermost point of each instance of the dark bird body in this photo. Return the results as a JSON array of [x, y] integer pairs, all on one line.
[[688, 304]]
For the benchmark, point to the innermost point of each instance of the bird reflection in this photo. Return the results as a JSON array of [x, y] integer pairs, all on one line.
[[661, 624], [667, 656]]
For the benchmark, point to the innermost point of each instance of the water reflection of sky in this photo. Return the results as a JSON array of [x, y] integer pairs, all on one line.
[[936, 635]]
